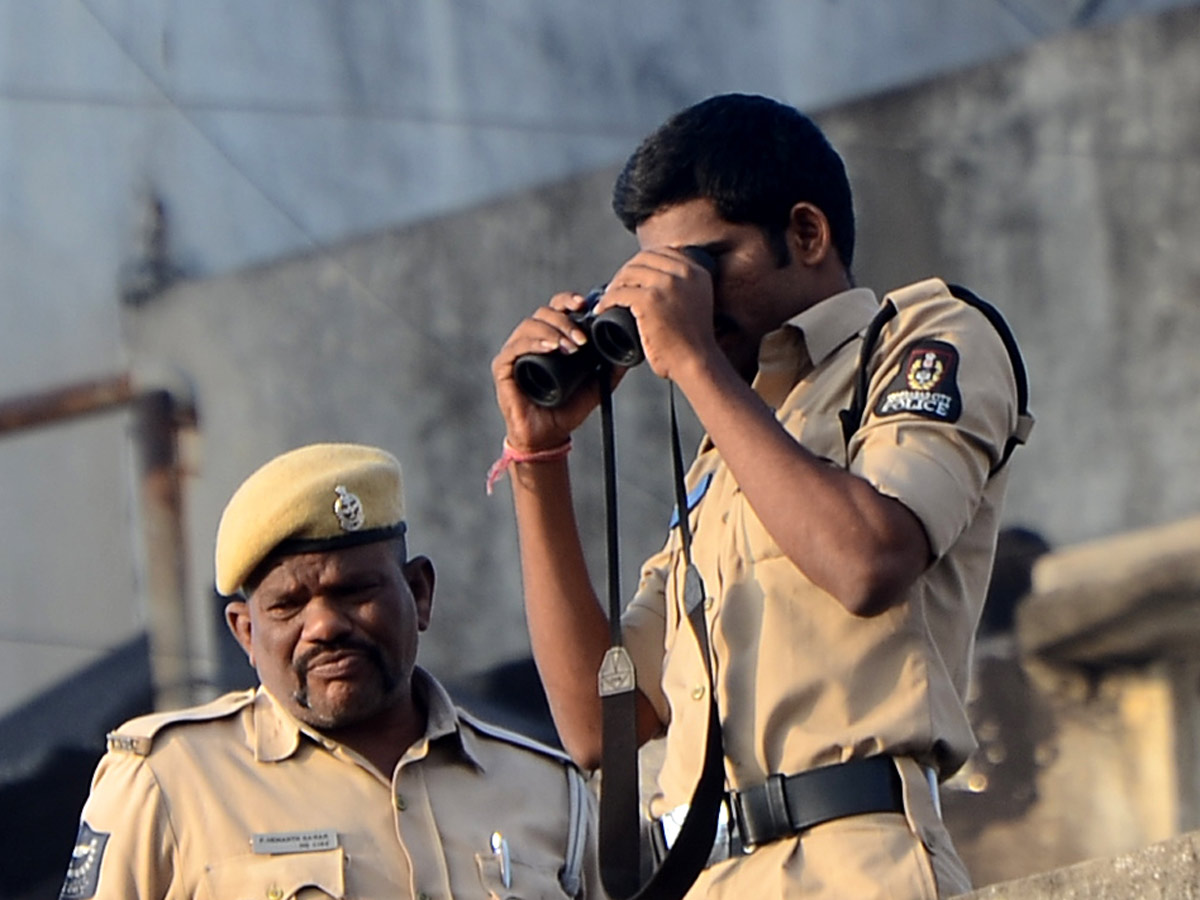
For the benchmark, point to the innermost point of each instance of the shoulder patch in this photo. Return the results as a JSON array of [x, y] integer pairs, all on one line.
[[137, 735], [83, 871], [926, 384], [512, 737]]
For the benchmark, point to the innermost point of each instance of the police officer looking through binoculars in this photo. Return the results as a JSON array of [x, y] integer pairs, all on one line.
[[844, 537]]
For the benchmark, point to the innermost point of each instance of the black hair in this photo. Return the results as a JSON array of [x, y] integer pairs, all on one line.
[[753, 157]]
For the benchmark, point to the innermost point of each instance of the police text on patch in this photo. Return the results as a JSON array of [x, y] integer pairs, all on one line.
[[940, 405]]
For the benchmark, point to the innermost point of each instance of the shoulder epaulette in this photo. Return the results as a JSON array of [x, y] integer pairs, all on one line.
[[137, 735], [512, 737]]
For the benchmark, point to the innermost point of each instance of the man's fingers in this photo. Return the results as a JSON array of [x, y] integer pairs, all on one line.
[[569, 335]]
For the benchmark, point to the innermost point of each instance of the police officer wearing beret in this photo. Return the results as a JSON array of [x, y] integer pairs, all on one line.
[[348, 772], [844, 567]]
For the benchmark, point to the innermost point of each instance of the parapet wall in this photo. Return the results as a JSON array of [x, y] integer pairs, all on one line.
[[1169, 870]]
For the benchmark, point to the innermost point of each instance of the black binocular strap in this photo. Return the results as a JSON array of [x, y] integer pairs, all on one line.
[[620, 806]]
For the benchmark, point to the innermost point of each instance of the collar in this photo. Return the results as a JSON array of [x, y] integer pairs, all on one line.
[[828, 324], [442, 723], [277, 732]]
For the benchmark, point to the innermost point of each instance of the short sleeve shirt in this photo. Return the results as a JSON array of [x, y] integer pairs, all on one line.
[[238, 799], [801, 682]]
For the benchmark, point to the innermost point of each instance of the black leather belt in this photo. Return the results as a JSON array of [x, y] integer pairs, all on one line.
[[787, 804]]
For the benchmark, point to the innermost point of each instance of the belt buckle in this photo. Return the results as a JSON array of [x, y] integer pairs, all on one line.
[[723, 842], [739, 822], [726, 843], [762, 814], [669, 824]]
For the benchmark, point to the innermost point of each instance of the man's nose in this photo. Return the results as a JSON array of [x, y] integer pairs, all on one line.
[[324, 620]]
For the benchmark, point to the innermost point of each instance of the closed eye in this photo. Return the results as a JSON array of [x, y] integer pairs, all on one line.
[[358, 590], [284, 605]]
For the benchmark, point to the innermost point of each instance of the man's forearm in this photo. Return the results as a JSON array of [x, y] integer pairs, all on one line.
[[857, 544], [567, 628]]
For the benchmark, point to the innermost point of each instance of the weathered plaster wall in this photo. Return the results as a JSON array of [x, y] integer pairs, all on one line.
[[1059, 183]]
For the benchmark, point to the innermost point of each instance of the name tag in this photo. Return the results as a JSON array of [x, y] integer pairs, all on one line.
[[294, 841]]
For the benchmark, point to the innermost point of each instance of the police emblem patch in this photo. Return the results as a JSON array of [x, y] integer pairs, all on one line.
[[83, 871], [348, 509], [926, 385]]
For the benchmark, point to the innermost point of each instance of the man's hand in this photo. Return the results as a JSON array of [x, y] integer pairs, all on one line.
[[549, 329], [671, 297]]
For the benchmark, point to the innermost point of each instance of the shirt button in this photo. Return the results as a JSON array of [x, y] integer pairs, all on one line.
[[401, 803], [423, 896], [708, 602], [698, 692]]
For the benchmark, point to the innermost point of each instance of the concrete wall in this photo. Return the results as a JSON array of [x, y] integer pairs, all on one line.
[[1064, 185], [1087, 711], [273, 128], [388, 340], [1060, 183]]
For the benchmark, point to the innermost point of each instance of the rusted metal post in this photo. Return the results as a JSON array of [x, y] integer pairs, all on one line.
[[157, 419], [158, 416]]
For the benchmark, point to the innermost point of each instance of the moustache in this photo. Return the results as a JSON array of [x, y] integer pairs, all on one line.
[[305, 661], [368, 649]]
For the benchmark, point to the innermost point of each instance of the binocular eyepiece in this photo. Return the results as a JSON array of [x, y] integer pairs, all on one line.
[[550, 379]]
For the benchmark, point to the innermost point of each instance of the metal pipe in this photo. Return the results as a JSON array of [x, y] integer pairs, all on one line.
[[159, 414], [165, 576], [70, 402]]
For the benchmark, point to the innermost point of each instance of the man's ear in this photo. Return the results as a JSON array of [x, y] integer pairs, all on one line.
[[237, 617], [418, 572], [809, 234]]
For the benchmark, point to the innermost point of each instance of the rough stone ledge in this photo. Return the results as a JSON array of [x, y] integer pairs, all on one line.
[[1165, 871], [1128, 598]]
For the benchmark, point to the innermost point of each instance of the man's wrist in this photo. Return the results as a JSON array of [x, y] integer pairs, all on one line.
[[697, 367], [533, 448], [511, 455]]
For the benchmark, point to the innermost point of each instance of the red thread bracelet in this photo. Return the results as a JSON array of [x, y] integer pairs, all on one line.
[[512, 455]]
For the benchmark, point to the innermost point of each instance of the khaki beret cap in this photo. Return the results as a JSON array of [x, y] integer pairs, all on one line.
[[316, 498]]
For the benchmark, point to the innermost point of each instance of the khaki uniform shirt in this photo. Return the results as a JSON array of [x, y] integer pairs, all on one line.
[[237, 799], [801, 682]]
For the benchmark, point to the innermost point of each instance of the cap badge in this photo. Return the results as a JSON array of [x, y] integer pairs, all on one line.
[[348, 509]]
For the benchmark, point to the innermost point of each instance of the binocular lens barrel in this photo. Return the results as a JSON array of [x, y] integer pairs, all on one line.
[[615, 334], [549, 379]]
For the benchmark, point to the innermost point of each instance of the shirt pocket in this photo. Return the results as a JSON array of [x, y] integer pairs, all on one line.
[[284, 876], [526, 882]]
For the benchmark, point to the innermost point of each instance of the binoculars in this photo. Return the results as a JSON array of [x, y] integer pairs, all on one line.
[[550, 379]]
